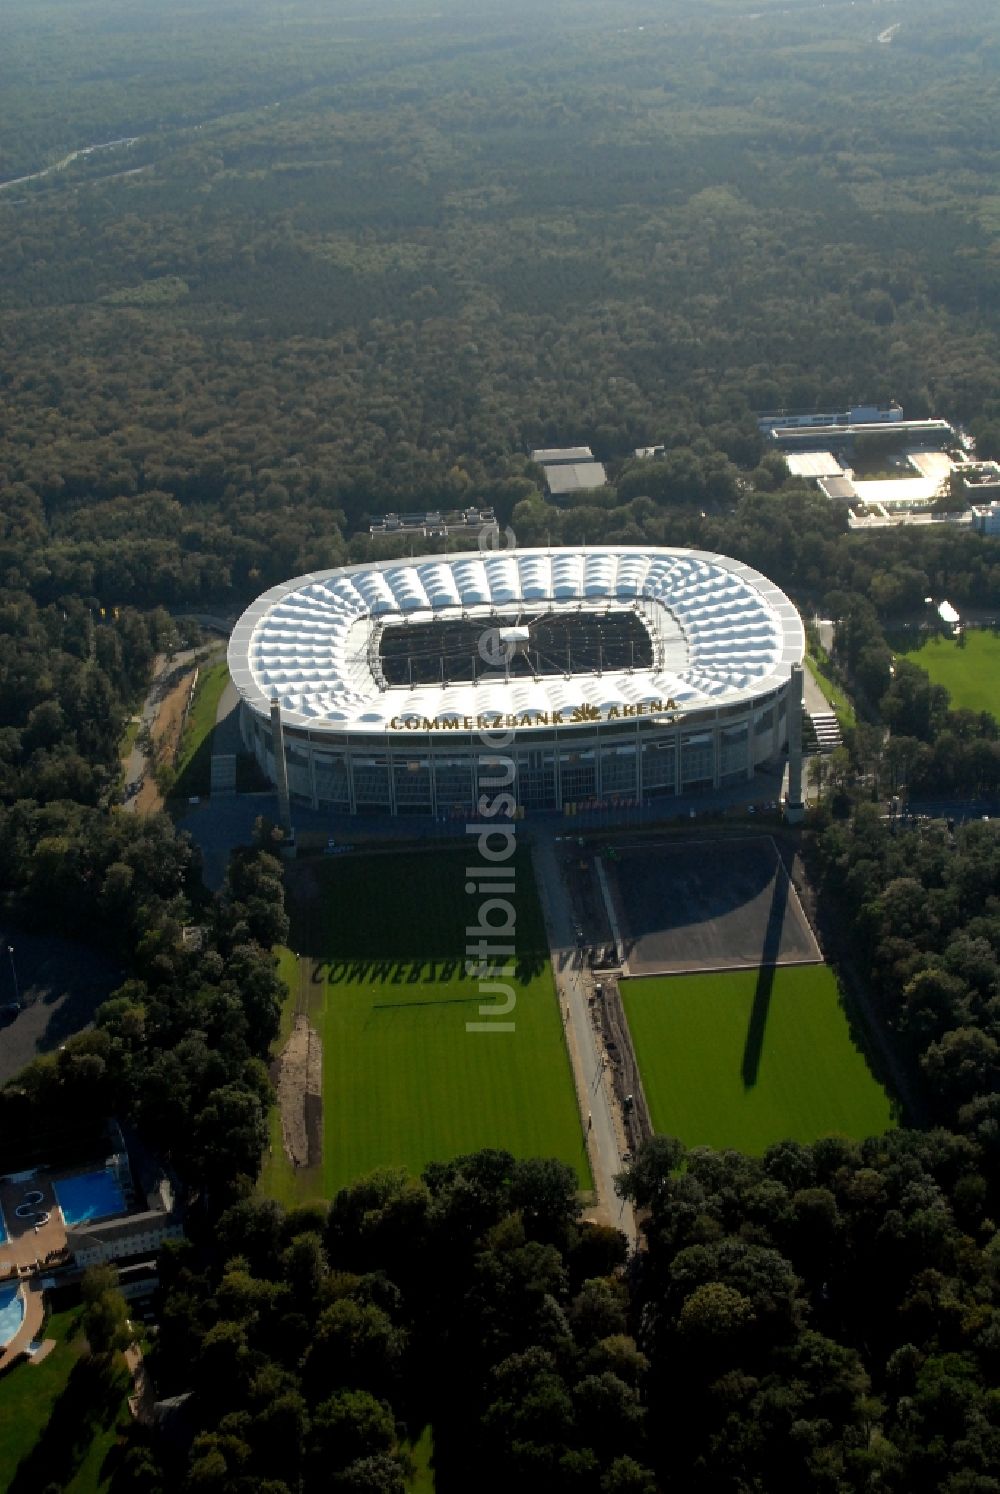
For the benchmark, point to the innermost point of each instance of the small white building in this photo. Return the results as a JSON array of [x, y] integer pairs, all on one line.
[[857, 415], [986, 518], [122, 1239]]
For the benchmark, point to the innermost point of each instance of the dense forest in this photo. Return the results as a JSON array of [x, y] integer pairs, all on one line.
[[320, 266], [375, 273]]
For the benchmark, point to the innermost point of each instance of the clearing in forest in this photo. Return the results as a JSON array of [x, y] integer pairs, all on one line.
[[969, 671]]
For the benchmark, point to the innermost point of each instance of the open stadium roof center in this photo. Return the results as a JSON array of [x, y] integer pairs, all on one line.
[[595, 650], [532, 644]]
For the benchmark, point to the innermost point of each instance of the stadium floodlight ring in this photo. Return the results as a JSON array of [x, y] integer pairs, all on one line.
[[720, 633]]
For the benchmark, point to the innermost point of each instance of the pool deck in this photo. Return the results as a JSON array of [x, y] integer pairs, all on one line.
[[34, 1316], [27, 1244]]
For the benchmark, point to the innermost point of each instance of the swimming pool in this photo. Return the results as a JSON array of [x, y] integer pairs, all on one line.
[[90, 1196], [11, 1312]]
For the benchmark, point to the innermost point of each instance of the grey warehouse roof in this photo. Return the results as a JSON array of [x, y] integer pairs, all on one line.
[[721, 633], [575, 477], [553, 455]]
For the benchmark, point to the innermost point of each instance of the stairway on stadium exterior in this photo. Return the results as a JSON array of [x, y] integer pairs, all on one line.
[[825, 730]]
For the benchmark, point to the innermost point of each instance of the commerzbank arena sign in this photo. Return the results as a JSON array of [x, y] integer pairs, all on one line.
[[582, 715]]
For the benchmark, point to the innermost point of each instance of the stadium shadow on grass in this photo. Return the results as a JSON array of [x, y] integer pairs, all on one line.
[[408, 972], [770, 952]]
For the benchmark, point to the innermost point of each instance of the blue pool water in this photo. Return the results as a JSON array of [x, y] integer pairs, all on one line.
[[11, 1313], [92, 1195]]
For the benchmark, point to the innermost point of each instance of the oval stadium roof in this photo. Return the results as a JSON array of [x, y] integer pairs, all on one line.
[[720, 633]]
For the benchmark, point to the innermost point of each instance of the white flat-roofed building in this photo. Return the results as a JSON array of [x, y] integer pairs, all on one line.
[[435, 524], [837, 437], [645, 672], [879, 414], [813, 464]]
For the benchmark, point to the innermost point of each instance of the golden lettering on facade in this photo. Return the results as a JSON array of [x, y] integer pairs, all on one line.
[[580, 715]]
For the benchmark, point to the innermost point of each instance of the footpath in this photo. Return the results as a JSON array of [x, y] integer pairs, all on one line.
[[598, 1111]]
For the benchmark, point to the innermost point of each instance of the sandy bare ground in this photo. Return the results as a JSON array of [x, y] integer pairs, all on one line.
[[299, 1083], [140, 1402], [166, 735]]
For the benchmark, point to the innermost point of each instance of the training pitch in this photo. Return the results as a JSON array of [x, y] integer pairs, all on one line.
[[381, 940], [707, 905], [970, 672], [743, 1059]]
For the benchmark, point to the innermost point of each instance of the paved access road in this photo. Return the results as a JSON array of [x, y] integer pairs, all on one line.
[[593, 1087]]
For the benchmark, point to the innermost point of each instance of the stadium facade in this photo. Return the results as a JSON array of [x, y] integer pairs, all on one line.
[[607, 674]]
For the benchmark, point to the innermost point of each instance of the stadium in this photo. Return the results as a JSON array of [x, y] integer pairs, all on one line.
[[611, 675]]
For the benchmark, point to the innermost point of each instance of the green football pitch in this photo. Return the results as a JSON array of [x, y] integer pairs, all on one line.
[[970, 674], [743, 1059], [381, 943]]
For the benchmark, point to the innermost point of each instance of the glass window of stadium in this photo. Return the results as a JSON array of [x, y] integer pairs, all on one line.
[[412, 784], [697, 760], [659, 769], [371, 783], [536, 778], [733, 752], [453, 783], [578, 775], [618, 770], [331, 780]]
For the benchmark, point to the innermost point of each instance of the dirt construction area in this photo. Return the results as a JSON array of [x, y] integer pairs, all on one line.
[[299, 1083], [165, 733], [706, 905]]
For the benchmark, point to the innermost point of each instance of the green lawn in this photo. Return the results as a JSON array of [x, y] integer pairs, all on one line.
[[59, 1419], [194, 757], [970, 673], [128, 740], [422, 1453], [842, 707], [382, 938], [727, 1065]]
